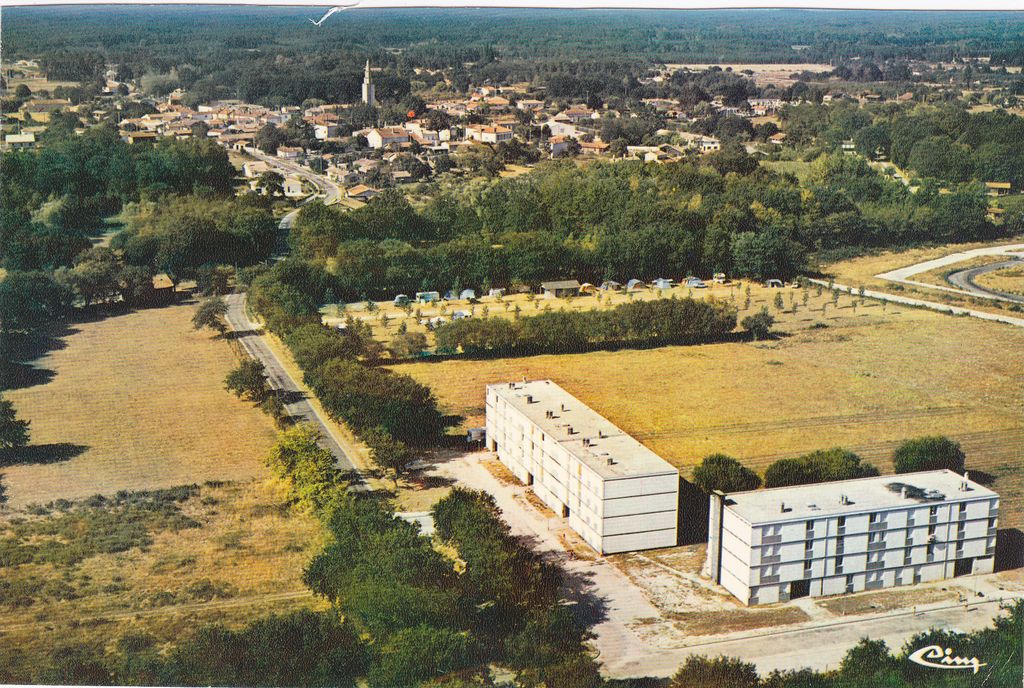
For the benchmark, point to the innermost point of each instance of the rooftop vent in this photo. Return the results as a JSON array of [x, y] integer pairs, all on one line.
[[903, 493], [611, 461], [600, 434], [563, 407], [586, 441], [844, 500], [782, 507], [529, 398]]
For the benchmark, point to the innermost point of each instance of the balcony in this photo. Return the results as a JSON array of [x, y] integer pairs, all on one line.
[[874, 546], [770, 579], [992, 530], [875, 565], [841, 530], [771, 539], [876, 526], [771, 558]]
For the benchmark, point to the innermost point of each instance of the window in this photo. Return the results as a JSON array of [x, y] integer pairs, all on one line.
[[907, 556], [839, 565], [809, 527]]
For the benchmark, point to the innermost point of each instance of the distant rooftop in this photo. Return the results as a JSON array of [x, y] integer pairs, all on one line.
[[583, 432], [856, 496]]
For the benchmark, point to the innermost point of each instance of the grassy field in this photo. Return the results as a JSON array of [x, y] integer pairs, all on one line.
[[861, 271], [1009, 280], [135, 402], [865, 380], [798, 168], [243, 557], [385, 317]]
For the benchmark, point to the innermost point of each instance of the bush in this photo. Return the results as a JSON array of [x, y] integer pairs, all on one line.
[[824, 465], [928, 454], [724, 473], [639, 323], [760, 324]]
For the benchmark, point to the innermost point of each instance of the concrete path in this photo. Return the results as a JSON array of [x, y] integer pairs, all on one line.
[[250, 336], [903, 275], [921, 303]]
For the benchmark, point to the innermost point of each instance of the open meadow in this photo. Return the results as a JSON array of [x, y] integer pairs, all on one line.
[[136, 402], [864, 378], [93, 572], [862, 271]]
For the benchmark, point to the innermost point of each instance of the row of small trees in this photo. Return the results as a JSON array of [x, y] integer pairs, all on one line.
[[639, 323], [724, 473]]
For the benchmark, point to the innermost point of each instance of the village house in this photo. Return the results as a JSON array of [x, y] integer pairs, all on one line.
[[289, 152], [293, 187], [998, 188], [488, 134], [361, 192], [386, 136]]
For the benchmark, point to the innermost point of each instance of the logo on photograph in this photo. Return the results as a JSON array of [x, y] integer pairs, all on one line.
[[937, 657]]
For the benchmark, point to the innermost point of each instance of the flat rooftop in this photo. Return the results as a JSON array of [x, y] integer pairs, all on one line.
[[856, 496], [583, 432]]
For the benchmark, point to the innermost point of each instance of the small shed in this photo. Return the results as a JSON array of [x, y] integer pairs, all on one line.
[[611, 285], [467, 294], [634, 284], [428, 296], [662, 283], [560, 289], [401, 300]]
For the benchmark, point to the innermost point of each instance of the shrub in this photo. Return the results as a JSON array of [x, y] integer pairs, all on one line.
[[928, 454], [823, 465], [724, 473]]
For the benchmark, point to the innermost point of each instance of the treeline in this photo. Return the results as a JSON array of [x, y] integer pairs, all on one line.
[[944, 142], [640, 323], [726, 474], [623, 220], [273, 57]]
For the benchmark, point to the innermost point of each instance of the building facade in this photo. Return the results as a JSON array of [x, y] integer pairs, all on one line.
[[778, 544], [616, 494]]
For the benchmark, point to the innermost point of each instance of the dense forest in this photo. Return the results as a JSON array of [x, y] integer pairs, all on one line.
[[274, 55], [622, 220]]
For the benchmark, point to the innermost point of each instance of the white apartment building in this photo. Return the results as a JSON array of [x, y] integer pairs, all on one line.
[[778, 544], [616, 493]]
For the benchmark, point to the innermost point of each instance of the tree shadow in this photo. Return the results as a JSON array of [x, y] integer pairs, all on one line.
[[238, 334], [981, 477], [56, 452], [589, 608]]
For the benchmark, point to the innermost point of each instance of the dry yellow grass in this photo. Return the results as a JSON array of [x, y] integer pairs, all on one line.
[[875, 602], [250, 546], [143, 394], [868, 381], [938, 275], [861, 271], [1008, 280], [385, 318]]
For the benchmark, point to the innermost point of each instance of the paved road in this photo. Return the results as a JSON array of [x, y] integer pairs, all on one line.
[[904, 274], [330, 191], [965, 280], [250, 336]]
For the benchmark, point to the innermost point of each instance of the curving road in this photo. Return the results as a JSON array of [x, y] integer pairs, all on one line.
[[903, 275], [330, 191], [965, 280]]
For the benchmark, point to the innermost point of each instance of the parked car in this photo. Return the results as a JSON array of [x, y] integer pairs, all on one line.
[[695, 283], [774, 284], [720, 278]]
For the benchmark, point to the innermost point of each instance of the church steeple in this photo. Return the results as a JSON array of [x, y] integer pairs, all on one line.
[[368, 89]]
